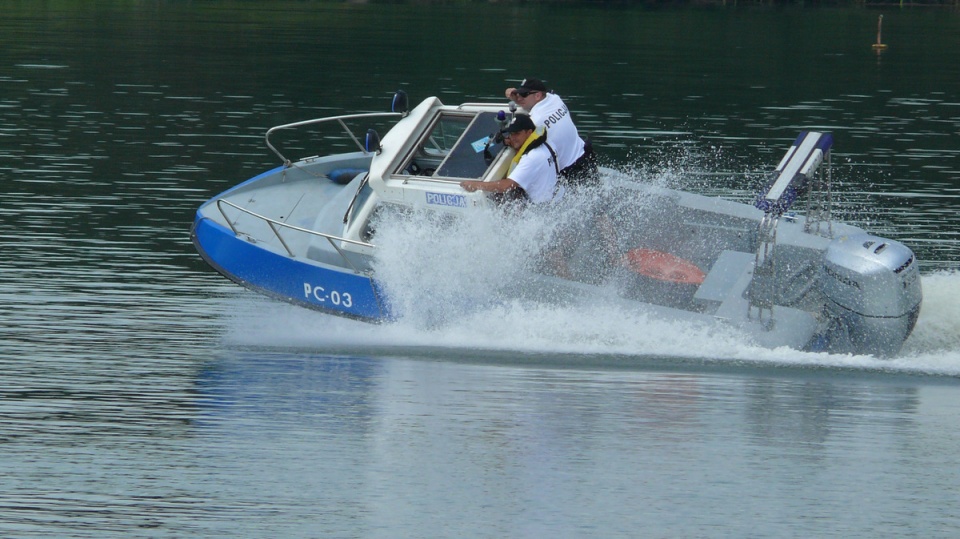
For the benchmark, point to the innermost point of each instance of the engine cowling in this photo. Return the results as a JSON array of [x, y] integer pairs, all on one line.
[[872, 285]]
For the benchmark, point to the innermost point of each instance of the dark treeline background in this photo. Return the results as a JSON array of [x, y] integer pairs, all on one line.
[[48, 4]]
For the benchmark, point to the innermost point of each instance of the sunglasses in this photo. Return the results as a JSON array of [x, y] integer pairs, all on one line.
[[525, 94]]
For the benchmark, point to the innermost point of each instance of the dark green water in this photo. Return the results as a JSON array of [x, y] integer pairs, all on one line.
[[145, 396]]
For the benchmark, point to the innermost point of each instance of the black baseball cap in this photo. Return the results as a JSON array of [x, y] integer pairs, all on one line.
[[521, 122], [532, 85]]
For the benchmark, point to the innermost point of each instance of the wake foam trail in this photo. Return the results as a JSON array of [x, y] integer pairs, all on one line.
[[436, 269], [460, 284], [934, 345], [624, 337]]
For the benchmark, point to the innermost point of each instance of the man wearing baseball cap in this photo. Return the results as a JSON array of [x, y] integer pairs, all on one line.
[[575, 157], [533, 173]]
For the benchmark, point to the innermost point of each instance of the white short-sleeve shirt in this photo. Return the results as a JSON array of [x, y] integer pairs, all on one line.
[[537, 175], [553, 114]]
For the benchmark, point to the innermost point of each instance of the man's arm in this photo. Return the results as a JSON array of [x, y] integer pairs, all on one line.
[[499, 186]]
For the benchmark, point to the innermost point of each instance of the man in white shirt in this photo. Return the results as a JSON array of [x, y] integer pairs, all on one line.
[[575, 157], [534, 171], [578, 167]]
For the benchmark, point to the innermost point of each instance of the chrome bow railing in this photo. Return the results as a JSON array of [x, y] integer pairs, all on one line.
[[275, 226], [338, 119]]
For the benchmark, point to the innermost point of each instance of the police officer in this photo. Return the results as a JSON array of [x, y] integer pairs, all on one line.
[[534, 172], [578, 166]]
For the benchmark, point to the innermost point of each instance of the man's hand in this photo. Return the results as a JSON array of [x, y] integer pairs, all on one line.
[[470, 186]]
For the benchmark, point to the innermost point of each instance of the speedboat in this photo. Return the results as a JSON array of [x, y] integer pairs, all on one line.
[[781, 270]]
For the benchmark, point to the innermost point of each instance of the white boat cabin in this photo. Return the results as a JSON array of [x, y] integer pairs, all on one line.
[[421, 161]]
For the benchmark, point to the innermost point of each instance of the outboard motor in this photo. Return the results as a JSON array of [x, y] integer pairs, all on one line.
[[872, 286]]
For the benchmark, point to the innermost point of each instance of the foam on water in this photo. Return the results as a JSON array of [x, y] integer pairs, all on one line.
[[458, 284], [595, 330], [436, 270]]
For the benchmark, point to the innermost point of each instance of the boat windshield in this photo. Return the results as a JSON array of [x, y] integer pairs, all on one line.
[[458, 145]]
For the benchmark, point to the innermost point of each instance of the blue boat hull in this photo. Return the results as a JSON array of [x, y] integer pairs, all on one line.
[[308, 284]]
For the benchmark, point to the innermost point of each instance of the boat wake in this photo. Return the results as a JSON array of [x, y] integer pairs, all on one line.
[[623, 338], [461, 299], [460, 285]]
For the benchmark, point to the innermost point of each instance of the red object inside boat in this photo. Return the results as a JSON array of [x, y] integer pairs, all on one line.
[[663, 266]]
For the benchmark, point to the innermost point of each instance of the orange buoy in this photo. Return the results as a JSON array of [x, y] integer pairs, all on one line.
[[663, 266]]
